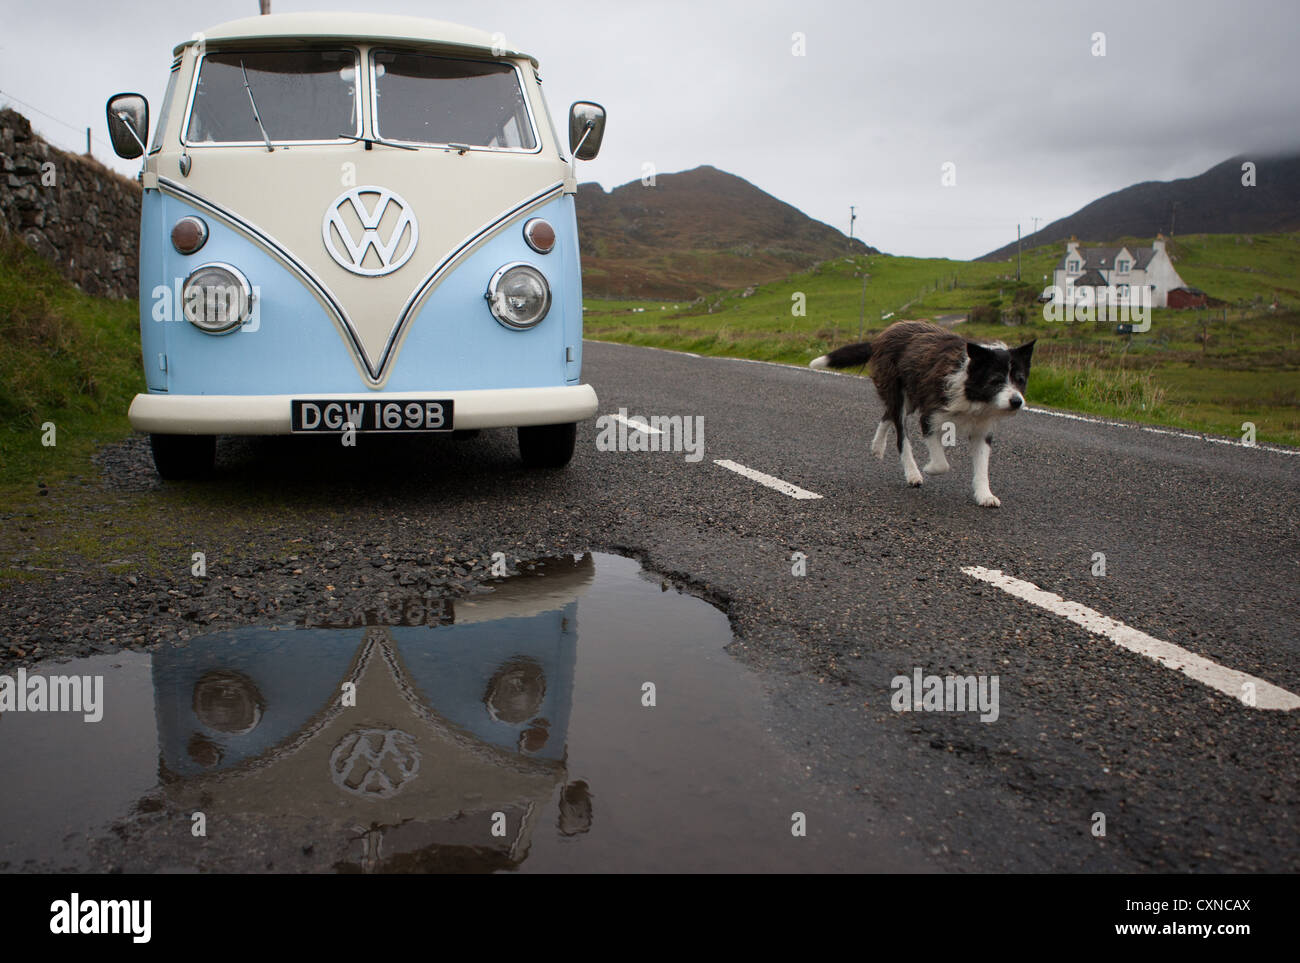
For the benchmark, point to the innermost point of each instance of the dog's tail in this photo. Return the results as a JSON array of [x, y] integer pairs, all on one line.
[[845, 357]]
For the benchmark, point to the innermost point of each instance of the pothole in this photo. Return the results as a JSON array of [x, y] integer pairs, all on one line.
[[580, 717]]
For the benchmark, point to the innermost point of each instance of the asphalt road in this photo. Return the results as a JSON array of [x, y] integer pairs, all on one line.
[[1201, 549], [1200, 544]]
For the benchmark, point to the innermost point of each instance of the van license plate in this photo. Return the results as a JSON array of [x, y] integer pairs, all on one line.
[[370, 415]]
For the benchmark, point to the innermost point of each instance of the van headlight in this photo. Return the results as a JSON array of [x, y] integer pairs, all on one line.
[[217, 298], [519, 295]]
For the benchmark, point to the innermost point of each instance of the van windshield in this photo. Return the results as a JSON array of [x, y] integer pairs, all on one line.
[[426, 99], [302, 95]]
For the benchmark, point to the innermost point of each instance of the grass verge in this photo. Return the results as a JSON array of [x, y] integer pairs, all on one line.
[[1209, 370], [68, 371]]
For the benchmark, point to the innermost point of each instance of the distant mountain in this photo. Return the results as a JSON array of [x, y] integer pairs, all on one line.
[[695, 232], [1215, 202]]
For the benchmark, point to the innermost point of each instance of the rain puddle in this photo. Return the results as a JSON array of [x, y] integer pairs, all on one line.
[[506, 731]]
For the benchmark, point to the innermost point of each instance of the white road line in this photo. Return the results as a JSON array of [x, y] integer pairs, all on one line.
[[636, 425], [1228, 681], [785, 488], [1230, 442]]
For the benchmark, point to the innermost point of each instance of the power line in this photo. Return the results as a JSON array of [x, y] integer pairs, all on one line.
[[5, 93], [31, 107]]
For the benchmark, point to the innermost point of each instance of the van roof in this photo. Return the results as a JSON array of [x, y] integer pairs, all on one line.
[[354, 26]]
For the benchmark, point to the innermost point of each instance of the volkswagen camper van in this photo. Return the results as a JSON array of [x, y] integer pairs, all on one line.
[[355, 224]]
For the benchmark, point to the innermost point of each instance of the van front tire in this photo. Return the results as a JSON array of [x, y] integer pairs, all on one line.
[[178, 457], [547, 446]]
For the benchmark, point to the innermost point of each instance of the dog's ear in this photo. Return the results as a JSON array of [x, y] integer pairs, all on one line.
[[977, 351], [1025, 351]]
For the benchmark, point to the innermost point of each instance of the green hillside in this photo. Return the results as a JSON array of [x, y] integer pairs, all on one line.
[[1202, 370], [68, 358]]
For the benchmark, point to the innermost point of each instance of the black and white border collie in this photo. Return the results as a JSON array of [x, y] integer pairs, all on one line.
[[920, 367]]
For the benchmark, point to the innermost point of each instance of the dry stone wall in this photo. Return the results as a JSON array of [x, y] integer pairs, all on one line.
[[71, 209]]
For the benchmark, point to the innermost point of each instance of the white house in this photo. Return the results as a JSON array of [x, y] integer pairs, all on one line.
[[1115, 275]]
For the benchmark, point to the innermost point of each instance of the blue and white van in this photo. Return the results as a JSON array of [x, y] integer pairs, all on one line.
[[356, 223]]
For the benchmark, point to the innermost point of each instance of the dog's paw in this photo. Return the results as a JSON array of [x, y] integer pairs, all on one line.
[[878, 451], [915, 480], [933, 469], [988, 500]]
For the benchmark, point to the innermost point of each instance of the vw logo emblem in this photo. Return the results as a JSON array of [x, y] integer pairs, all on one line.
[[374, 763], [366, 211]]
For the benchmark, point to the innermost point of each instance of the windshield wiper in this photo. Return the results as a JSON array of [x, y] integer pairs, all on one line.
[[256, 116], [370, 141]]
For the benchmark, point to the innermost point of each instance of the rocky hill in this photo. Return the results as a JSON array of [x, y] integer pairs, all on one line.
[[1215, 202], [694, 232]]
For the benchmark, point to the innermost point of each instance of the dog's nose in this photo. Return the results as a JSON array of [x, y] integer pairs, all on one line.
[[1016, 401]]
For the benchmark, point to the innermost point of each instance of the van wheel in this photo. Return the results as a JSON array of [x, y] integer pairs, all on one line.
[[183, 456], [547, 446]]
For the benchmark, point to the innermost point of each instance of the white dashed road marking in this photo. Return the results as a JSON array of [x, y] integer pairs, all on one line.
[[1239, 685], [784, 487], [636, 425]]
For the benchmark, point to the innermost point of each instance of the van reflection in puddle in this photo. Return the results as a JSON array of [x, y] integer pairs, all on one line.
[[430, 747]]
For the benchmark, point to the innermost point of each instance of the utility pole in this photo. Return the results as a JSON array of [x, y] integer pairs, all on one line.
[[1173, 216], [1036, 220], [1017, 253], [862, 306], [88, 142], [265, 6]]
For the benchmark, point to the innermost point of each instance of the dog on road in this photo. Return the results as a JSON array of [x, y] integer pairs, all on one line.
[[923, 368]]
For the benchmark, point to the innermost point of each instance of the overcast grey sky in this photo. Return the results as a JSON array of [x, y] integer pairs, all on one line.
[[886, 93]]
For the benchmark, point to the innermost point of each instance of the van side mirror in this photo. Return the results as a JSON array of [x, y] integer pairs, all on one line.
[[128, 124], [586, 128]]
